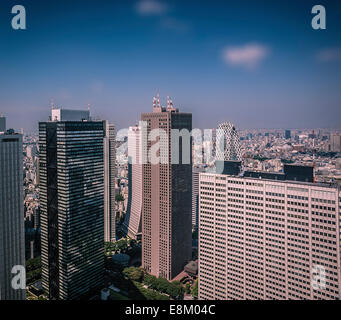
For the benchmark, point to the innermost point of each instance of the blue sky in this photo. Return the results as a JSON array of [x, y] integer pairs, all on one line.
[[256, 63]]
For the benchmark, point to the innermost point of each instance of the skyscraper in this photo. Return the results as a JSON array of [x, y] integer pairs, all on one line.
[[167, 194], [228, 149], [2, 123], [335, 142], [72, 206], [133, 220], [287, 134], [266, 236], [195, 196], [12, 240], [109, 182]]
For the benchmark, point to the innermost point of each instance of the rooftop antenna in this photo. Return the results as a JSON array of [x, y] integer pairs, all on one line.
[[154, 102], [169, 102], [52, 104], [158, 99]]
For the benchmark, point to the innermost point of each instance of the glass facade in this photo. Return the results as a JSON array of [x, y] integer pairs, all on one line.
[[72, 207]]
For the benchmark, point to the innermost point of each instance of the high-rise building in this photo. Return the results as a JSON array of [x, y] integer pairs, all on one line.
[[335, 142], [167, 193], [61, 114], [228, 149], [109, 183], [2, 123], [71, 206], [36, 164], [195, 196], [287, 134], [12, 239], [133, 220], [266, 236], [228, 146]]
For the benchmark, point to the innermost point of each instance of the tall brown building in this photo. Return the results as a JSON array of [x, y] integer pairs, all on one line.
[[167, 195]]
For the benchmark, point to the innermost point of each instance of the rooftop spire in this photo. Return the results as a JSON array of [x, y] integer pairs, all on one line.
[[158, 100], [169, 102]]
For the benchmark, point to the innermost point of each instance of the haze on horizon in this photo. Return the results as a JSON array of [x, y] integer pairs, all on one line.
[[258, 64]]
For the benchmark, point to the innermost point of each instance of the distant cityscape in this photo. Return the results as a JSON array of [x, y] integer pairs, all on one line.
[[94, 218]]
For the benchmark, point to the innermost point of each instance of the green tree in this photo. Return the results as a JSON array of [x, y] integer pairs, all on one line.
[[32, 276], [150, 281], [119, 197], [174, 290], [109, 247], [121, 245], [162, 285], [132, 243], [33, 264], [133, 273], [195, 289], [177, 289]]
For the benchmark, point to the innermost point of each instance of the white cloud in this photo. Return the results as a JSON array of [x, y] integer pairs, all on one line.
[[248, 56], [329, 55], [151, 7]]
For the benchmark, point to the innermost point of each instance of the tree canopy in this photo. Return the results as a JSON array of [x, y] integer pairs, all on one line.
[[119, 197]]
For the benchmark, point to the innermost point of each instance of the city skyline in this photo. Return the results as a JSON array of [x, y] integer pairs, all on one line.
[[164, 210], [264, 67], [170, 150]]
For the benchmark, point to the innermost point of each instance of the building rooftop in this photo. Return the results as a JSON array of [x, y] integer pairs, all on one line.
[[61, 114]]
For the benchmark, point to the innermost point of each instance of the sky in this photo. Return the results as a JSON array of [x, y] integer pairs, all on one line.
[[258, 64]]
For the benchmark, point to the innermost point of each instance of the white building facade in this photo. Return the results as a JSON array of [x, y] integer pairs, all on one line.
[[268, 239]]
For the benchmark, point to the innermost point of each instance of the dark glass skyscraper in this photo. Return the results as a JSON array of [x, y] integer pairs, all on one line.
[[12, 240], [287, 134], [2, 123], [72, 206]]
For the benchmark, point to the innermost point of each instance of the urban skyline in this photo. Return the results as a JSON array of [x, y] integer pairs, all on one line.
[[267, 69], [233, 157], [170, 150]]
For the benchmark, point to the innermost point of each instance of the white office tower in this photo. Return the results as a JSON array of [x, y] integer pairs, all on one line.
[[195, 196], [228, 147], [109, 183], [12, 241], [266, 236], [132, 222]]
